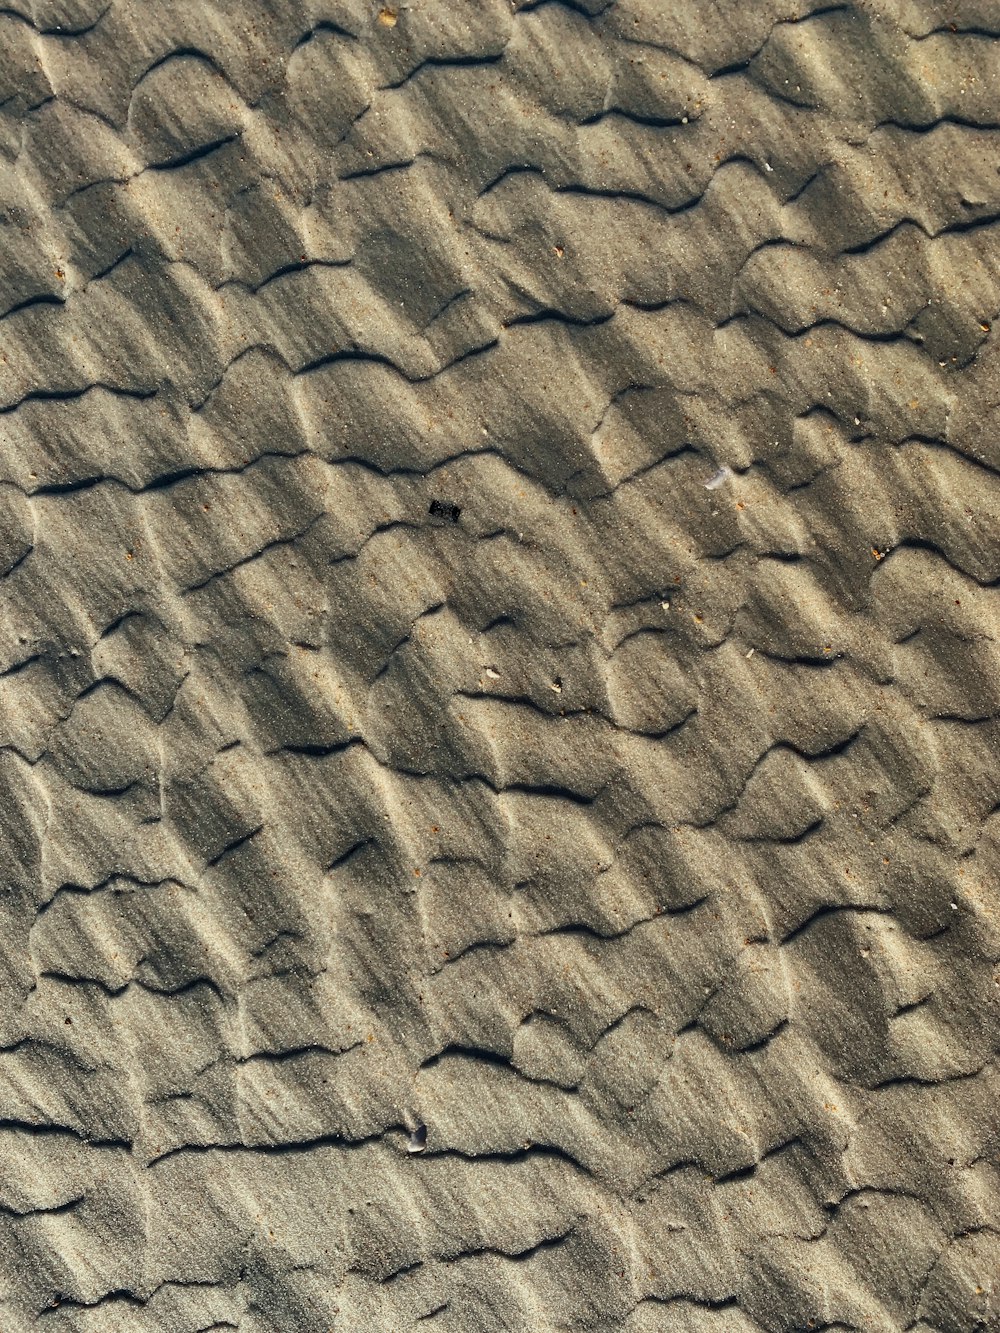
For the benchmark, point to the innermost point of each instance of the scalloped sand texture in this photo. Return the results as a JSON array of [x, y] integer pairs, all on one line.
[[499, 683]]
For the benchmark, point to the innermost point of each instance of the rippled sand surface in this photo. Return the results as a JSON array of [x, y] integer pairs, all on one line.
[[498, 666]]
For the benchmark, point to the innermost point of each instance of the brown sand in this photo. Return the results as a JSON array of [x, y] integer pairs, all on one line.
[[499, 544]]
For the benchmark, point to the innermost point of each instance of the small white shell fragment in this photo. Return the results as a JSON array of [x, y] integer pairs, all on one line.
[[556, 685], [417, 1141], [718, 478], [750, 654], [665, 605], [493, 673]]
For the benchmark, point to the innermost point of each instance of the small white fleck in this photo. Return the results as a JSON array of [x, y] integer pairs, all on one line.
[[750, 654], [684, 120], [954, 907], [665, 605], [768, 167], [718, 478], [492, 673], [556, 685]]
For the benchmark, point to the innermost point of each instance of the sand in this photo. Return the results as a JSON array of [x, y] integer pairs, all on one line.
[[499, 683]]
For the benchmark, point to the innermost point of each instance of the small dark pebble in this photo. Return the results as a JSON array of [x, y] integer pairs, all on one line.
[[444, 509]]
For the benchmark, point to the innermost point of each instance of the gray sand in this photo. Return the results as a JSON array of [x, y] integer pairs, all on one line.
[[499, 683]]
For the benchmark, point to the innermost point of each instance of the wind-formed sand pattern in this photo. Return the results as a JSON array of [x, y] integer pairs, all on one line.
[[498, 666]]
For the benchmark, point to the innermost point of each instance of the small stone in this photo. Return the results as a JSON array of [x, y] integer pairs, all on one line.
[[445, 510]]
